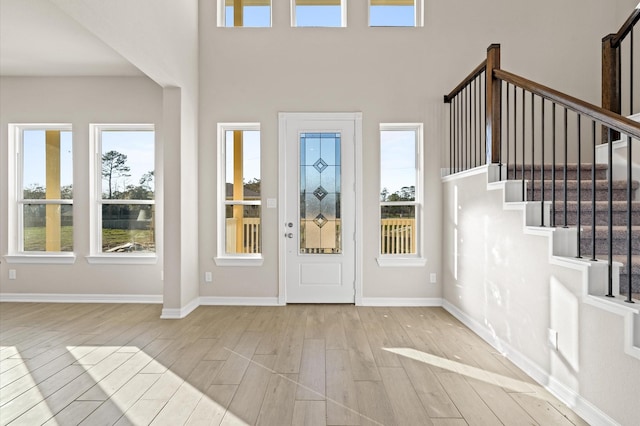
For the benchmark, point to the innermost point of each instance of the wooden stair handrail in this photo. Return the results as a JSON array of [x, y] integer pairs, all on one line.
[[607, 118], [475, 73], [626, 27]]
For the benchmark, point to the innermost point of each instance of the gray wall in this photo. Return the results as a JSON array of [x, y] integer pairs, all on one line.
[[79, 101], [391, 75]]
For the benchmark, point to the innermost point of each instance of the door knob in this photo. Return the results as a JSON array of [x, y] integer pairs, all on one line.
[[289, 235]]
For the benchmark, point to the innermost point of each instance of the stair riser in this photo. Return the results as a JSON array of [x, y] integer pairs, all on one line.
[[572, 195], [602, 218], [571, 175], [635, 283], [602, 246]]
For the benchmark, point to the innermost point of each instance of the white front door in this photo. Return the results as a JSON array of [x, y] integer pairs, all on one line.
[[318, 207]]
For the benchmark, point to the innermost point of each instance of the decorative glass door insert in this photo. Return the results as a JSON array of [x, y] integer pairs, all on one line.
[[320, 171]]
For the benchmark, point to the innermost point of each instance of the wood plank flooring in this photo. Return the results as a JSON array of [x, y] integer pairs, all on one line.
[[98, 364]]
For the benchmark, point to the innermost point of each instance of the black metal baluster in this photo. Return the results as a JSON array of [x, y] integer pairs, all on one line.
[[579, 197], [524, 195], [515, 133], [593, 194], [631, 74], [542, 163], [629, 222], [566, 156], [533, 151], [553, 165], [610, 214], [507, 131]]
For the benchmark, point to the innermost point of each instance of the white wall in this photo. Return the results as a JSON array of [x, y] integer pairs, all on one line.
[[79, 101], [391, 75], [501, 281]]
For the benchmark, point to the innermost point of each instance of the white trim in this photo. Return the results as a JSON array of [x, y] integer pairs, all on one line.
[[223, 258], [179, 313], [356, 118], [589, 412], [419, 198], [42, 258], [465, 174], [80, 298], [402, 301], [239, 301], [97, 256], [15, 170], [239, 261], [391, 261], [122, 259]]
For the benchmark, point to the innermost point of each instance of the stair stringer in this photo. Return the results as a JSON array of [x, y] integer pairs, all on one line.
[[562, 251]]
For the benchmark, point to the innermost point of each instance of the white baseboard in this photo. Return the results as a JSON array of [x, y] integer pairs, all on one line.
[[402, 301], [179, 313], [80, 298], [238, 301], [589, 412]]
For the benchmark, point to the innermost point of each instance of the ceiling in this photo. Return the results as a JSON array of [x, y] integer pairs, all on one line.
[[38, 39]]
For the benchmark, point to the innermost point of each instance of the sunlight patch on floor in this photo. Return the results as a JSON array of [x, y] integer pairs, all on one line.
[[466, 370]]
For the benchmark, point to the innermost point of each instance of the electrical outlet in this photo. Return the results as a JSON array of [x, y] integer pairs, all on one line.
[[12, 274], [208, 277], [433, 278]]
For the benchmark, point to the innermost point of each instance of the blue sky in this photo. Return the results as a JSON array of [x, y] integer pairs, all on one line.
[[398, 159], [251, 154], [34, 161], [327, 16], [138, 146]]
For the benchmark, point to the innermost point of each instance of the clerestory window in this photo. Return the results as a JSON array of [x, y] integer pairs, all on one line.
[[318, 13], [244, 13], [395, 13]]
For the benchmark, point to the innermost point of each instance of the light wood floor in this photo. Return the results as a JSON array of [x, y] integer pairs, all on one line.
[[300, 364]]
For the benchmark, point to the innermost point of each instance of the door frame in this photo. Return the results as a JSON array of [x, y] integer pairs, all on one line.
[[283, 119]]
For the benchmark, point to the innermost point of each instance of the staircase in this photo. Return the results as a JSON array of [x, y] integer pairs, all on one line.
[[619, 212]]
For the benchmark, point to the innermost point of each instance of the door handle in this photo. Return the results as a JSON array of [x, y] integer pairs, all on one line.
[[289, 235]]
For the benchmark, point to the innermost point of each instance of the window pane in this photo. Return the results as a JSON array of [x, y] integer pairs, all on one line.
[[390, 13], [128, 164], [47, 165], [242, 183], [128, 228], [310, 13], [255, 13], [397, 165], [242, 229], [398, 230], [320, 230], [244, 170], [47, 227]]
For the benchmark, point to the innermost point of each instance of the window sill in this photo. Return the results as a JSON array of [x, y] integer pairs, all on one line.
[[42, 258], [123, 259], [239, 261], [392, 261]]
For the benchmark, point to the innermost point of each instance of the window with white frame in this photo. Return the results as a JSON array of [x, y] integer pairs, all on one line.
[[239, 192], [41, 222], [395, 13], [124, 170], [244, 13], [318, 13], [400, 190]]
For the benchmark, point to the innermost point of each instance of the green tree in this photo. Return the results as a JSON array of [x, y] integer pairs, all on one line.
[[114, 166]]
